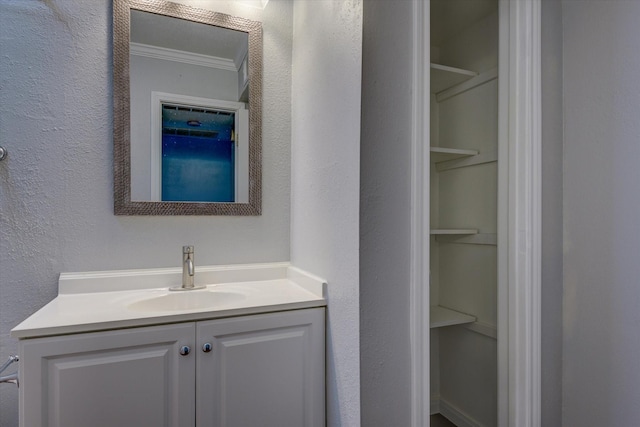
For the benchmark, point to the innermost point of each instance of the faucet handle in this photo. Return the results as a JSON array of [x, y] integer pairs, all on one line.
[[187, 249]]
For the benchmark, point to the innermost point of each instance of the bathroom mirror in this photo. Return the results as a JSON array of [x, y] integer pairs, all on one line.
[[187, 110]]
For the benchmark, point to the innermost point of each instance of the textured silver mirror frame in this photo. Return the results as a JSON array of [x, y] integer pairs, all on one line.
[[123, 205]]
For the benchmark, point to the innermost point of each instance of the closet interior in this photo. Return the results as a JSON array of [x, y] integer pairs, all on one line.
[[463, 211]]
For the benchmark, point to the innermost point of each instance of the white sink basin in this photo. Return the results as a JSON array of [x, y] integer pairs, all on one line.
[[95, 301], [187, 300]]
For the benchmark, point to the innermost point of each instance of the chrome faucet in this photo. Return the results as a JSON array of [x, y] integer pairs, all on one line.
[[188, 271], [188, 268]]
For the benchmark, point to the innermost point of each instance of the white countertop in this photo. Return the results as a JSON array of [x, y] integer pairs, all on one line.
[[97, 301]]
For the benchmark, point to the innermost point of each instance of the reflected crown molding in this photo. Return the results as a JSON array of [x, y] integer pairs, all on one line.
[[167, 54]]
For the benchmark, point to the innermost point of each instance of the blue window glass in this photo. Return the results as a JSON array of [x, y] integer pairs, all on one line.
[[198, 159]]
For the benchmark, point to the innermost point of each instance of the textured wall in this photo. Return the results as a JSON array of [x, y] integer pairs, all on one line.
[[601, 372], [325, 180], [385, 196], [56, 202]]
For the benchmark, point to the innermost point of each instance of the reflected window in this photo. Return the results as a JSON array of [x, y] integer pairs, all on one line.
[[198, 154]]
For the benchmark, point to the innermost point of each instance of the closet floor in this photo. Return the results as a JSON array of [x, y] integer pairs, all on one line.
[[438, 420]]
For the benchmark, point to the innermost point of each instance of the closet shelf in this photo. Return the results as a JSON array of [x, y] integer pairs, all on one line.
[[451, 231], [440, 316], [463, 162], [472, 83], [473, 239], [441, 154], [444, 77]]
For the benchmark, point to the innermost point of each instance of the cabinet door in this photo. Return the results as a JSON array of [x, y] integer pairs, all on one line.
[[132, 377], [265, 370]]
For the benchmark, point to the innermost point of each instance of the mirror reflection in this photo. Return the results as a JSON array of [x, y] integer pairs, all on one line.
[[194, 111], [188, 110]]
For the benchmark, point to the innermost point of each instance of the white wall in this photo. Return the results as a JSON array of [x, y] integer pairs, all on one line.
[[385, 197], [601, 371], [56, 187], [325, 164]]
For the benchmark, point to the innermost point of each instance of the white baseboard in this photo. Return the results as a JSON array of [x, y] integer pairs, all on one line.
[[434, 405], [455, 415]]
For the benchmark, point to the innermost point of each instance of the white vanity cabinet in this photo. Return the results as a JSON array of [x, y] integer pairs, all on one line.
[[255, 370], [265, 370], [130, 377]]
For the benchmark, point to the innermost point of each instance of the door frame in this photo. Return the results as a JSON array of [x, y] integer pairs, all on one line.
[[519, 215]]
